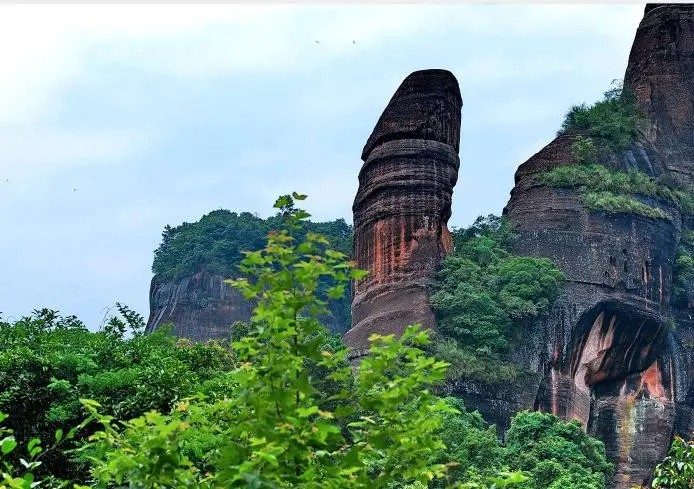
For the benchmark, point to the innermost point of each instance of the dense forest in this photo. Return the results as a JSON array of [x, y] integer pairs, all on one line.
[[216, 244]]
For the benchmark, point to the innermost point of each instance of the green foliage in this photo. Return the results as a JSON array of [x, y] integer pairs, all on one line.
[[216, 243], [49, 362], [283, 407], [466, 363], [597, 178], [484, 295], [615, 204], [29, 456], [677, 470], [471, 444], [552, 454], [600, 130], [683, 272], [273, 431], [555, 454], [614, 121], [583, 150], [611, 191], [10, 476]]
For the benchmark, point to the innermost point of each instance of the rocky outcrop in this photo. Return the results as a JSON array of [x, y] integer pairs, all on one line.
[[661, 74], [608, 355], [201, 307], [403, 205]]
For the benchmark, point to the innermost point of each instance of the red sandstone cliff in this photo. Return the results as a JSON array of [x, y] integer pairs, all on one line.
[[607, 356], [403, 205]]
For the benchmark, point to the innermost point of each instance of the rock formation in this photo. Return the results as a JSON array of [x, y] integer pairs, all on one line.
[[202, 307], [403, 205], [661, 74], [608, 356]]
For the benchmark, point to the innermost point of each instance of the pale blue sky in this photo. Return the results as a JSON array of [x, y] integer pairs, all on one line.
[[117, 120]]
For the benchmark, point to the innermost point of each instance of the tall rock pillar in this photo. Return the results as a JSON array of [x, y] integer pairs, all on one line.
[[403, 204]]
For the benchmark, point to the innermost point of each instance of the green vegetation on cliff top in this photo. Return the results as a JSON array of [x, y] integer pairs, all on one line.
[[217, 241], [612, 123]]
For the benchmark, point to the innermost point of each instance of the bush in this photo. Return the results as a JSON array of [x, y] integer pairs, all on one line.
[[614, 122], [48, 363], [583, 150], [683, 272], [556, 454], [593, 178], [615, 204], [677, 470], [552, 454], [466, 363]]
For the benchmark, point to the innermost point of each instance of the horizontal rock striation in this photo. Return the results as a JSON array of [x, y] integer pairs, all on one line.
[[403, 204]]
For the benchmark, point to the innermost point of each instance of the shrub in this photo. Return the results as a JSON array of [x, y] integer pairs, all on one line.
[[615, 204], [583, 150], [48, 362], [597, 178], [683, 271], [553, 454], [614, 122], [677, 470], [556, 454], [467, 363]]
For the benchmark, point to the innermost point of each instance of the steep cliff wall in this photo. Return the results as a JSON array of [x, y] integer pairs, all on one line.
[[200, 307], [403, 205], [608, 353], [661, 74]]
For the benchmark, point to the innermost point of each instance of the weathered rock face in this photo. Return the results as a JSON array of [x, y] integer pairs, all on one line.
[[403, 205], [606, 356], [201, 307], [661, 74]]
